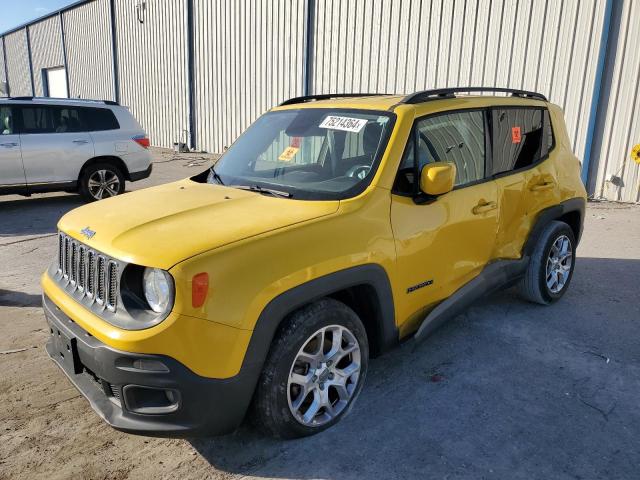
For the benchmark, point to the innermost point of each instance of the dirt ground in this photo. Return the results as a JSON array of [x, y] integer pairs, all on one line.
[[506, 390]]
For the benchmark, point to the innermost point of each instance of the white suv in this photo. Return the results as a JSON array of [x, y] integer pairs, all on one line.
[[73, 145]]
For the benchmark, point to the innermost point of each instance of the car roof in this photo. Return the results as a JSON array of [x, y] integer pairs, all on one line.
[[437, 97], [59, 101]]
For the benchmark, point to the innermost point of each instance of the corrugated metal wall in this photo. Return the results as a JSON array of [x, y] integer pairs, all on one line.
[[152, 67], [248, 58], [46, 49], [618, 176], [18, 63], [89, 55], [410, 45]]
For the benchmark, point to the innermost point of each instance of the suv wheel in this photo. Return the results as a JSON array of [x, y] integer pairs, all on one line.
[[101, 180], [314, 372], [551, 266]]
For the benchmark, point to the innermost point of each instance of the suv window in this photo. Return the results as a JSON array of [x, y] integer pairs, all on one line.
[[6, 121], [521, 138], [52, 119], [454, 137], [100, 119]]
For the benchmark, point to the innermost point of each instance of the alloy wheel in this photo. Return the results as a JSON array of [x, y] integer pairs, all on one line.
[[103, 184], [324, 376], [559, 264]]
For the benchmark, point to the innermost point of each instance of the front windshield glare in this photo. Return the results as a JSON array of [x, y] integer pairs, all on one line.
[[308, 153]]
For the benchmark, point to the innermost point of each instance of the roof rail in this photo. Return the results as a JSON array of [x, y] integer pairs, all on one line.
[[88, 100], [437, 94], [327, 96]]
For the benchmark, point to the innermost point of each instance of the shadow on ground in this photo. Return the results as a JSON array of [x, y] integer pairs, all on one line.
[[507, 390], [10, 298], [35, 215]]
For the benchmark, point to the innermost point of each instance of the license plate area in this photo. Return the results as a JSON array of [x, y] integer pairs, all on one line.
[[66, 347]]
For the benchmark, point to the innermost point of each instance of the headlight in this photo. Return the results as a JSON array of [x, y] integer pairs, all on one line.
[[158, 289]]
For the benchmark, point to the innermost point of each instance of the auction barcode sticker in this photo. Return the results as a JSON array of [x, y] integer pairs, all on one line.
[[343, 123]]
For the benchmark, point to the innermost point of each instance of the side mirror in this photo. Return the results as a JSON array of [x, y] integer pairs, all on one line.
[[437, 178]]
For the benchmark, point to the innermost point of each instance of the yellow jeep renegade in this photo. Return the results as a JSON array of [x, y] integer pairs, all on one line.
[[334, 228]]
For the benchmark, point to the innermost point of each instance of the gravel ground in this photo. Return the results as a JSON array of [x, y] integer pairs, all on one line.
[[507, 390]]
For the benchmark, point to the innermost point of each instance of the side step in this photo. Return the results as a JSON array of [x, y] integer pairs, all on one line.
[[492, 278]]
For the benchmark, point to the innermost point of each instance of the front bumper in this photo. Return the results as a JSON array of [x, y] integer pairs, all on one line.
[[145, 394]]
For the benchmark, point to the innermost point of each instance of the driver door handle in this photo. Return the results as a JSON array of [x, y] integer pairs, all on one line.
[[484, 207], [9, 144], [80, 142]]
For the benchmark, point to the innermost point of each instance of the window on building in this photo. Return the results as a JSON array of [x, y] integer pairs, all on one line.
[[6, 121], [50, 119], [455, 137], [520, 138]]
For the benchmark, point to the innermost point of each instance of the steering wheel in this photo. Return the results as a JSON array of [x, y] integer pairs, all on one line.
[[358, 171]]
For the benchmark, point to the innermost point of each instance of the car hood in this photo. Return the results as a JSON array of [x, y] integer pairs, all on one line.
[[164, 225]]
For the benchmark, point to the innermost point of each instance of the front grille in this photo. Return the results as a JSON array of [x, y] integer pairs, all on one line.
[[101, 280], [114, 391], [91, 279], [88, 272], [82, 265], [112, 284]]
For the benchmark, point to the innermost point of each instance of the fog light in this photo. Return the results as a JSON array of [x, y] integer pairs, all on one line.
[[149, 400]]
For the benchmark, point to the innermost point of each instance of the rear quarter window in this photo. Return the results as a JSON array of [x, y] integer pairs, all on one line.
[[521, 138], [100, 119]]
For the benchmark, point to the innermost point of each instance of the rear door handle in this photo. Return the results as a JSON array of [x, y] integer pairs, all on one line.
[[484, 207], [9, 144], [539, 187], [80, 142]]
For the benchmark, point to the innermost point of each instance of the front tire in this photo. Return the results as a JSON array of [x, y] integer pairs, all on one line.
[[551, 265], [314, 372], [101, 180]]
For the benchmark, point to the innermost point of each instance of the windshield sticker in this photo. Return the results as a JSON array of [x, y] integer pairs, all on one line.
[[346, 124], [295, 142], [288, 154]]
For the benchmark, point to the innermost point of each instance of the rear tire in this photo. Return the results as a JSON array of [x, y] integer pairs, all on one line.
[[551, 265], [101, 180], [309, 382]]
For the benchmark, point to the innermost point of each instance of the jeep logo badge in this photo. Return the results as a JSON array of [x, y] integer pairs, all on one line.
[[87, 232]]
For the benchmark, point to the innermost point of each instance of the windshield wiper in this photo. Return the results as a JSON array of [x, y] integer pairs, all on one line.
[[259, 189], [215, 175]]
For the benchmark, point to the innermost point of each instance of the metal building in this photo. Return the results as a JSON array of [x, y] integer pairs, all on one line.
[[199, 72]]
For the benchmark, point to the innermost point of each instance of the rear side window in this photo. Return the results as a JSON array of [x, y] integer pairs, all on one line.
[[454, 137], [52, 119], [100, 119], [521, 138], [6, 121]]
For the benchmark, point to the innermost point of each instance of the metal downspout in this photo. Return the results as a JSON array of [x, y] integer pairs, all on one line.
[[191, 75], [308, 47], [114, 52], [33, 86], [6, 69], [64, 55], [595, 100]]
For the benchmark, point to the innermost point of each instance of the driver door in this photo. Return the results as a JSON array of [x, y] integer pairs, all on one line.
[[444, 242], [11, 167]]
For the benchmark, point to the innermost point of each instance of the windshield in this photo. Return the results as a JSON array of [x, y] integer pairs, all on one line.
[[313, 154]]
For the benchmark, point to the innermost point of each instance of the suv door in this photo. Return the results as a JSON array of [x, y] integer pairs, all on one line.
[[443, 242], [11, 168], [55, 143], [527, 184]]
